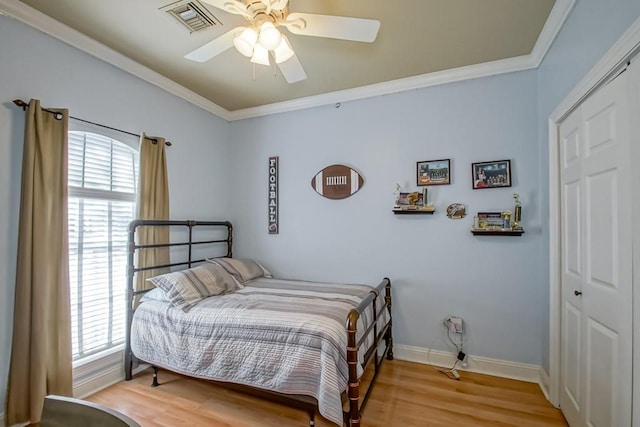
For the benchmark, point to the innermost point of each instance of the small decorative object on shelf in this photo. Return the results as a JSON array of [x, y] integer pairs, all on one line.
[[413, 199], [396, 196], [456, 211], [506, 219], [411, 203], [489, 220], [517, 213]]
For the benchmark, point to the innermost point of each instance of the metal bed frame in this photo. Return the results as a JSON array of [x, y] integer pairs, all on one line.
[[352, 416]]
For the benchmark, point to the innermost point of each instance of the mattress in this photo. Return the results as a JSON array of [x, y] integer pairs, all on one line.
[[280, 335]]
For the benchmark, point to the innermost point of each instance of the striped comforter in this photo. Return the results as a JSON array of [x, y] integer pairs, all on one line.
[[281, 335]]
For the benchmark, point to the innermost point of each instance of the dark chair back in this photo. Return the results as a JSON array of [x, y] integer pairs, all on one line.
[[59, 411]]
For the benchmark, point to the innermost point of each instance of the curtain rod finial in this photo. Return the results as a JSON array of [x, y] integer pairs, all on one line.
[[20, 103]]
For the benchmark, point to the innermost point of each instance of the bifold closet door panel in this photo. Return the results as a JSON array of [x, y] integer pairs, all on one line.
[[596, 386]]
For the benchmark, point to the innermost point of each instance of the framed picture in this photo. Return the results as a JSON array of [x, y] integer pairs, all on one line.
[[433, 172], [488, 220], [491, 174], [410, 199]]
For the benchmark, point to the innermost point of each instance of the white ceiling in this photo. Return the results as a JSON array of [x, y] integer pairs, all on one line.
[[420, 43]]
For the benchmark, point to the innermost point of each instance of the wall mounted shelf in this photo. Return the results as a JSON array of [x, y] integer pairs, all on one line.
[[413, 211], [498, 232]]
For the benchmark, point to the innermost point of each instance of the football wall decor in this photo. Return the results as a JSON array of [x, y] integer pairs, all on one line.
[[337, 182], [273, 195]]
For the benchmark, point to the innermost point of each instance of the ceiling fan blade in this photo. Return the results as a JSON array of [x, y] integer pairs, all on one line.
[[335, 27], [275, 4], [231, 6], [214, 48], [292, 70]]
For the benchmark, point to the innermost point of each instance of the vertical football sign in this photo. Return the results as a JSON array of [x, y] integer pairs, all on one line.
[[273, 195]]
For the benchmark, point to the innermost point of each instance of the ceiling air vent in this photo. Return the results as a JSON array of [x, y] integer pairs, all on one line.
[[192, 14]]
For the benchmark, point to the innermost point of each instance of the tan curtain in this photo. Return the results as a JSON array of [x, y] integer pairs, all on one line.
[[41, 347], [153, 203]]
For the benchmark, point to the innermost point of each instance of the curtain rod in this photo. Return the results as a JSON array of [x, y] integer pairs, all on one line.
[[20, 103]]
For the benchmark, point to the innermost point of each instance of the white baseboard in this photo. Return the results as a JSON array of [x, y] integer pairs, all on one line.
[[98, 382], [103, 380], [482, 365], [94, 374], [544, 384]]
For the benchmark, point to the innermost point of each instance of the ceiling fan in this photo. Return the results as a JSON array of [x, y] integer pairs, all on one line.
[[262, 39]]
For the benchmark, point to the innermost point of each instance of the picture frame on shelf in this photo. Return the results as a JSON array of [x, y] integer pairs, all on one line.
[[412, 203], [494, 174], [410, 200], [489, 220], [433, 172]]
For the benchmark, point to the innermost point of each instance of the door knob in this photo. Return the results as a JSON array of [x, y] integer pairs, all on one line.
[[577, 293]]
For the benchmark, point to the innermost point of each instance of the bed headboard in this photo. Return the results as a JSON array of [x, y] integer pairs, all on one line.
[[187, 241]]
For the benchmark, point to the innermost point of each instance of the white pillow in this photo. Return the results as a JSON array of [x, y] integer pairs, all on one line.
[[185, 288], [155, 294], [242, 270]]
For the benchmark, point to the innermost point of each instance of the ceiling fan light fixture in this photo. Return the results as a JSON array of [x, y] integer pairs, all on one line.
[[269, 36], [246, 41], [283, 51], [260, 55]]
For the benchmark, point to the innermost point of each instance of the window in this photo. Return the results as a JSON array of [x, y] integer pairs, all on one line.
[[103, 175]]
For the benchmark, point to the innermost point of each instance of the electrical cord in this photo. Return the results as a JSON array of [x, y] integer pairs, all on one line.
[[456, 335], [451, 372]]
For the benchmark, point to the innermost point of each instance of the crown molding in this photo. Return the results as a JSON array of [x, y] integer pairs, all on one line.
[[551, 28], [36, 19], [469, 72]]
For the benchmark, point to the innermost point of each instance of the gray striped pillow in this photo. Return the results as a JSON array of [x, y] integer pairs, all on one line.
[[186, 287], [242, 270]]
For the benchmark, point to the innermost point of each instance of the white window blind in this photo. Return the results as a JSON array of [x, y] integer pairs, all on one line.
[[102, 191]]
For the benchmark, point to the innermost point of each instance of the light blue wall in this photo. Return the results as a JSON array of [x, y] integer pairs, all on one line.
[[35, 65], [438, 268], [590, 30]]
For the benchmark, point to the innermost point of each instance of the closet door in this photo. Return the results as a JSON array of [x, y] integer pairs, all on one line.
[[571, 219], [597, 306]]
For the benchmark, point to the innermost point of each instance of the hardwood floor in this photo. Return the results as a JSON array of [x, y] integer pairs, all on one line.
[[406, 394]]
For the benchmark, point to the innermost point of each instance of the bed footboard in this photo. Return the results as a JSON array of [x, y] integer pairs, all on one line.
[[353, 416]]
